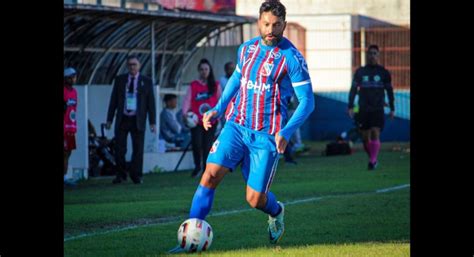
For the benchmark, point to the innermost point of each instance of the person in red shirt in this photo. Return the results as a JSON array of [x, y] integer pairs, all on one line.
[[70, 125], [201, 96]]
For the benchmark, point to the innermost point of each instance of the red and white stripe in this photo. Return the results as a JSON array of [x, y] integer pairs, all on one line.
[[261, 105], [276, 95], [242, 62], [256, 97], [245, 75], [242, 55]]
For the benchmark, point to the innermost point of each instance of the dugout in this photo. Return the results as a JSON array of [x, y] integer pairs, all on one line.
[[98, 39]]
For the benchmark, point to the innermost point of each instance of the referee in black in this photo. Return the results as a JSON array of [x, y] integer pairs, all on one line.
[[371, 82]]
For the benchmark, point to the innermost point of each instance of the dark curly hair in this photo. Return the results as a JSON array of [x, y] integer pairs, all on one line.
[[274, 6]]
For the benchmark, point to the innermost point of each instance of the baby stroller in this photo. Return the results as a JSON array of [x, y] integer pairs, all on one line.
[[101, 153]]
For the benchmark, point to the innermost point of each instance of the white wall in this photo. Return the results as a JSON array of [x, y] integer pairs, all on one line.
[[98, 103], [79, 160], [328, 50], [93, 102], [328, 25], [393, 11]]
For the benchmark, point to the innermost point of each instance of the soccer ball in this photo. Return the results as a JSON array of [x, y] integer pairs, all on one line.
[[195, 235], [191, 120]]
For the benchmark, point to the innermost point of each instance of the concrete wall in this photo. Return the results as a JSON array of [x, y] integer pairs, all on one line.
[[93, 102], [329, 47], [98, 103], [328, 50], [393, 11], [329, 25]]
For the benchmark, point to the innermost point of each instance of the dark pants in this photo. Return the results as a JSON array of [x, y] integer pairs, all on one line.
[[201, 141], [129, 125]]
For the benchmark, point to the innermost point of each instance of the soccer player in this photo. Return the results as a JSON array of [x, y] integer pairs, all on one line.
[[371, 82], [269, 70]]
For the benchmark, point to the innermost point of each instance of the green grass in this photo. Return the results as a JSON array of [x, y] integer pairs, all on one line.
[[350, 220]]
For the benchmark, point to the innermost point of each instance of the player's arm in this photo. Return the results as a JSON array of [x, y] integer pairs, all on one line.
[[301, 82], [304, 93], [230, 89], [353, 92], [388, 87]]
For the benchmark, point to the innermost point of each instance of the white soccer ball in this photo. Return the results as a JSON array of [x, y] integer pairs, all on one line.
[[195, 235], [191, 120]]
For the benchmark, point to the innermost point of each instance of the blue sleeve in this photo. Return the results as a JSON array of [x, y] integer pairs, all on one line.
[[305, 108], [231, 88], [301, 82]]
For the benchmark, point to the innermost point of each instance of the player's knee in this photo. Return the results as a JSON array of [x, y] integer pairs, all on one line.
[[255, 200], [209, 180], [375, 134]]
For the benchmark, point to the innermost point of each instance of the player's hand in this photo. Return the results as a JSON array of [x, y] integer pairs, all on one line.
[[392, 115], [206, 119], [153, 128], [107, 125], [280, 143], [350, 111]]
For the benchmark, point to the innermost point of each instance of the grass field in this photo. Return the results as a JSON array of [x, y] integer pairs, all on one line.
[[332, 208]]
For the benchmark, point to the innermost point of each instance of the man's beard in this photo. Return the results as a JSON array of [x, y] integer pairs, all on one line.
[[272, 42]]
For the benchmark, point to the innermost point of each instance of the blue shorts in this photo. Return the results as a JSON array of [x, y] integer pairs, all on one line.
[[255, 150]]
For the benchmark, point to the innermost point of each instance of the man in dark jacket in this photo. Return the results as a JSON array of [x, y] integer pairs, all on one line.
[[131, 101]]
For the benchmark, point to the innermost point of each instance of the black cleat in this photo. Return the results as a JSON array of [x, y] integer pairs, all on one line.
[[372, 166]]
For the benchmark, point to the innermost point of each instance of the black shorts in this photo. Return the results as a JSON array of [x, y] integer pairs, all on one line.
[[370, 119]]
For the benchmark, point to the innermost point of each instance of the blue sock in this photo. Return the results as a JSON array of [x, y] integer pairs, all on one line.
[[202, 202], [272, 207]]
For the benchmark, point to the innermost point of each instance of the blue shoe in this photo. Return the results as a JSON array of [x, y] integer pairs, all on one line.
[[276, 225]]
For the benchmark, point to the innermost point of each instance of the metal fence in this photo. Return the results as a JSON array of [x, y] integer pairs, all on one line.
[[394, 45]]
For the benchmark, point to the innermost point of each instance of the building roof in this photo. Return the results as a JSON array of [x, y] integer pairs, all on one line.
[[98, 39]]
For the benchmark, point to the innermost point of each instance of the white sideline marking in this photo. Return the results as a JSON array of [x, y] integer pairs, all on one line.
[[170, 220], [391, 188]]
